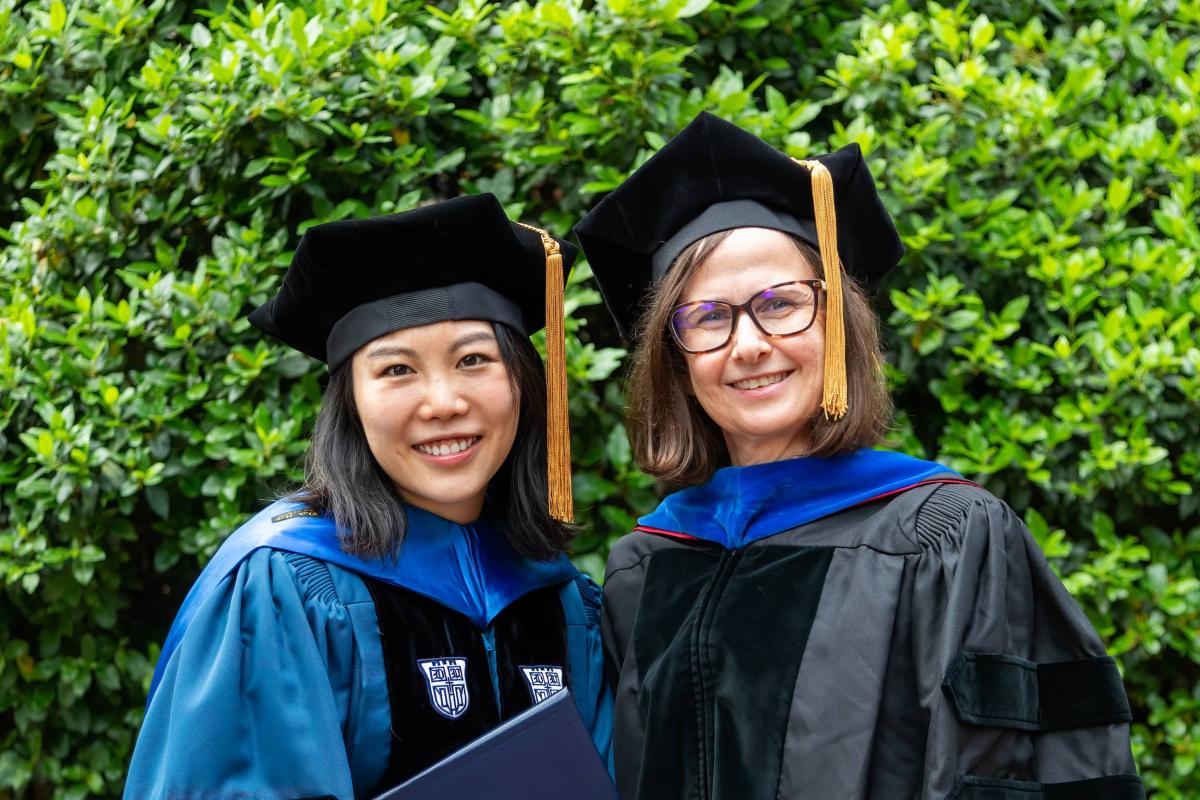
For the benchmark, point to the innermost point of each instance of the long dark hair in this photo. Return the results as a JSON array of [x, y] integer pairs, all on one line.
[[342, 478]]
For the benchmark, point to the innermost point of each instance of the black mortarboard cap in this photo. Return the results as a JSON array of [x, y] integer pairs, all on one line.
[[715, 176], [355, 280]]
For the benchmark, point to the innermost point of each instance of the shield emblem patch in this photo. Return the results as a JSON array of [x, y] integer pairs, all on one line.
[[543, 681], [447, 682]]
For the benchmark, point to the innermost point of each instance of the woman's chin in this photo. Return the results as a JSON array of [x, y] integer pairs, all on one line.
[[751, 446]]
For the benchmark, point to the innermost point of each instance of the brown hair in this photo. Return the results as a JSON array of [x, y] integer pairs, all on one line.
[[674, 439]]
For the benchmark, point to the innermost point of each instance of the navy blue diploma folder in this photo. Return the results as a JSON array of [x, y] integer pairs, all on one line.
[[544, 752]]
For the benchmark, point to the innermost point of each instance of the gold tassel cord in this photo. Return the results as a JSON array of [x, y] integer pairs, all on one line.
[[834, 401], [558, 426]]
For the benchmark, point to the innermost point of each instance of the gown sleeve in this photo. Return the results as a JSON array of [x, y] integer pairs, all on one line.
[[276, 691], [590, 685], [1021, 699]]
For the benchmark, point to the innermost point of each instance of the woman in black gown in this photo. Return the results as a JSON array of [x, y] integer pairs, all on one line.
[[807, 617]]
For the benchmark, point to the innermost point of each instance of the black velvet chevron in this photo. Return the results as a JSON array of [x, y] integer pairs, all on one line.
[[530, 632]]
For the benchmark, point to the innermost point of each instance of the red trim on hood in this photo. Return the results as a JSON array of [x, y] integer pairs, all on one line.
[[903, 489], [672, 534]]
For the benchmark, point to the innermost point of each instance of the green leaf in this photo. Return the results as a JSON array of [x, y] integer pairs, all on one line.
[[122, 312], [982, 32], [572, 79], [1119, 190], [83, 301], [1014, 310], [58, 16], [449, 161], [961, 319], [256, 167], [22, 59], [296, 22], [166, 556], [200, 36], [590, 488], [617, 446], [45, 445], [159, 501], [1103, 530], [693, 7]]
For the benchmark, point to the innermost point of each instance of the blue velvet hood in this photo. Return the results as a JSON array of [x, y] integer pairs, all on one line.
[[471, 569], [740, 505]]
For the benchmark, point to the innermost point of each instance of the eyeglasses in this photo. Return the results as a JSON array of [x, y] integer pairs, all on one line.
[[784, 309]]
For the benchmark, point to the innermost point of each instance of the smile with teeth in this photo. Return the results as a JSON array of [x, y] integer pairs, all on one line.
[[447, 447], [760, 381]]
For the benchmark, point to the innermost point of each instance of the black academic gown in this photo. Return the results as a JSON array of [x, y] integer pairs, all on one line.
[[916, 646]]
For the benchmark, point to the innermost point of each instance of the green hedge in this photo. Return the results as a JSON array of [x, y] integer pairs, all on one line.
[[159, 160]]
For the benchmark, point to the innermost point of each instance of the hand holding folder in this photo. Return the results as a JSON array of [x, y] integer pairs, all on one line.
[[544, 752]]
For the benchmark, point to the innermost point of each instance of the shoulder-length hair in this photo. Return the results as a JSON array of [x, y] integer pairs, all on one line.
[[673, 438], [342, 477]]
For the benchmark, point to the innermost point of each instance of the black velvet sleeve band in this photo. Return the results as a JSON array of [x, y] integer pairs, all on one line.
[[1112, 787], [1004, 691]]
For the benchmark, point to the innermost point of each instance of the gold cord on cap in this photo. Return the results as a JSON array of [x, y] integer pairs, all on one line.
[[558, 426], [834, 401]]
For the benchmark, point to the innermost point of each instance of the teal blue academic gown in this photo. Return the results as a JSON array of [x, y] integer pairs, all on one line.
[[294, 670]]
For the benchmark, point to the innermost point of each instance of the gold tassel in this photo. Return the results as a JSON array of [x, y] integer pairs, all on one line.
[[835, 398], [558, 426]]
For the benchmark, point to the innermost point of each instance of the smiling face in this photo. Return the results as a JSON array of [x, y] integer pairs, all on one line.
[[763, 392], [439, 412]]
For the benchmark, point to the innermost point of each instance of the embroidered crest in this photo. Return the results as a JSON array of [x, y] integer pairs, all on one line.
[[447, 681], [543, 681]]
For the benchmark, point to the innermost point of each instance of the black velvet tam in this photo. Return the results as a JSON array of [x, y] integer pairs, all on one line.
[[355, 280], [702, 169]]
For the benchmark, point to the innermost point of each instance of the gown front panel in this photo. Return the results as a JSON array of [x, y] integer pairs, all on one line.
[[450, 682], [715, 692]]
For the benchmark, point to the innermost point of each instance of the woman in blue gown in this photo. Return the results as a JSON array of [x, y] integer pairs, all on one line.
[[415, 591]]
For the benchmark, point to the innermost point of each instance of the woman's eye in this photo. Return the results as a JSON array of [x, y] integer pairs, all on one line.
[[396, 370], [776, 306], [710, 317], [474, 360]]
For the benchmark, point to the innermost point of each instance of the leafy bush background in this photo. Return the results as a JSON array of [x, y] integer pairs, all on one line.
[[159, 159]]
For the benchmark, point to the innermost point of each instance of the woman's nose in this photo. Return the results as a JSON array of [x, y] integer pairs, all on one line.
[[442, 400], [749, 343]]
